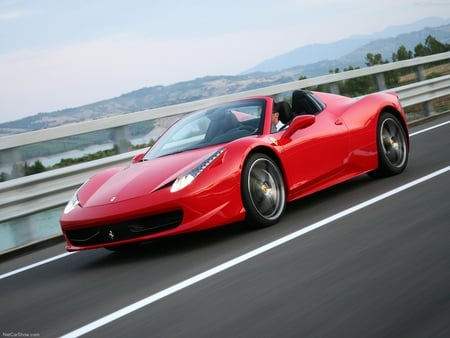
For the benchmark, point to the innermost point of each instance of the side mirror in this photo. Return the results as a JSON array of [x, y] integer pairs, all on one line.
[[299, 122], [138, 158]]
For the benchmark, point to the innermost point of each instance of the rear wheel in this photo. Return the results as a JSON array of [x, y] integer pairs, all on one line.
[[263, 191], [392, 146]]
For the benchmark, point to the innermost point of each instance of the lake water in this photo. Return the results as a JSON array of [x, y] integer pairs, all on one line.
[[30, 229], [49, 161]]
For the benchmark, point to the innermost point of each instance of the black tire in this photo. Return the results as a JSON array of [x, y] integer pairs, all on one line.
[[263, 191], [392, 143]]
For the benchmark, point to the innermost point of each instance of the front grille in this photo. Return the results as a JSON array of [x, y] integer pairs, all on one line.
[[109, 233]]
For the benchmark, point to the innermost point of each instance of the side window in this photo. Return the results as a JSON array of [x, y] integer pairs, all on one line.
[[304, 102], [319, 104]]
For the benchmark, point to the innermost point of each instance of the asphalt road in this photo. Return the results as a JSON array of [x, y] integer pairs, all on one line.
[[351, 261]]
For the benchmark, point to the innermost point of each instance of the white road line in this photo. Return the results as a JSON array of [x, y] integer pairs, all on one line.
[[429, 128], [28, 267], [227, 265], [65, 254]]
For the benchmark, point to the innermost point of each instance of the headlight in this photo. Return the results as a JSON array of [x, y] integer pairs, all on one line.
[[184, 180], [72, 203]]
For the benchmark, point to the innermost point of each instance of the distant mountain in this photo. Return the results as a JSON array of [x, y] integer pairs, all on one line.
[[319, 60], [145, 98], [313, 53], [309, 54], [356, 58]]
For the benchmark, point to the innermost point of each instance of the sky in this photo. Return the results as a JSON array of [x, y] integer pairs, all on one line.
[[57, 54]]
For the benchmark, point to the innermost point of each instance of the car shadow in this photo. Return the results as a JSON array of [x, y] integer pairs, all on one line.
[[341, 189], [176, 245]]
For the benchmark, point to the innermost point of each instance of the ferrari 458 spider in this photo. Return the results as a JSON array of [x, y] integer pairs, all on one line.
[[227, 164]]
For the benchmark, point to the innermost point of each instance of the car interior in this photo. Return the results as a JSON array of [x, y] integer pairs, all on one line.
[[303, 102]]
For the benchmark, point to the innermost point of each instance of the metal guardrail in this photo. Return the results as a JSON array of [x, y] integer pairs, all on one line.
[[36, 193], [424, 91], [30, 194], [16, 140]]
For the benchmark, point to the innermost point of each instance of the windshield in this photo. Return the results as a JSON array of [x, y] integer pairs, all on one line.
[[216, 125]]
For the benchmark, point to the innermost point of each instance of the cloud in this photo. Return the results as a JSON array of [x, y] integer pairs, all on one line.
[[10, 15], [432, 3], [42, 80], [66, 54]]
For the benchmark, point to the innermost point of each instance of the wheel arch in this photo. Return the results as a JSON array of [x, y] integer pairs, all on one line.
[[385, 166], [399, 116], [275, 157], [269, 152]]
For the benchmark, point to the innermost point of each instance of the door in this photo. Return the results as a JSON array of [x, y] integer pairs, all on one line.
[[315, 155]]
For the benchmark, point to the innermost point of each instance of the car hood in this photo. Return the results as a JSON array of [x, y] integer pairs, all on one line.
[[140, 178]]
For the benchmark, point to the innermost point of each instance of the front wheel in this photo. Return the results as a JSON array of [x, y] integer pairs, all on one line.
[[263, 191], [392, 146]]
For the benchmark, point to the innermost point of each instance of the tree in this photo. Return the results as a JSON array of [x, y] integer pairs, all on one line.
[[357, 86], [391, 78], [36, 168], [4, 176], [402, 54], [375, 59], [420, 50], [434, 46]]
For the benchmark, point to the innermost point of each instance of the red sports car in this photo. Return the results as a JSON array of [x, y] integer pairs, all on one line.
[[228, 164]]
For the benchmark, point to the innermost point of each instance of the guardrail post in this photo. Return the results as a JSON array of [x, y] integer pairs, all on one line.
[[334, 88], [121, 139], [21, 231], [421, 76], [379, 82], [13, 157], [428, 108], [420, 73]]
